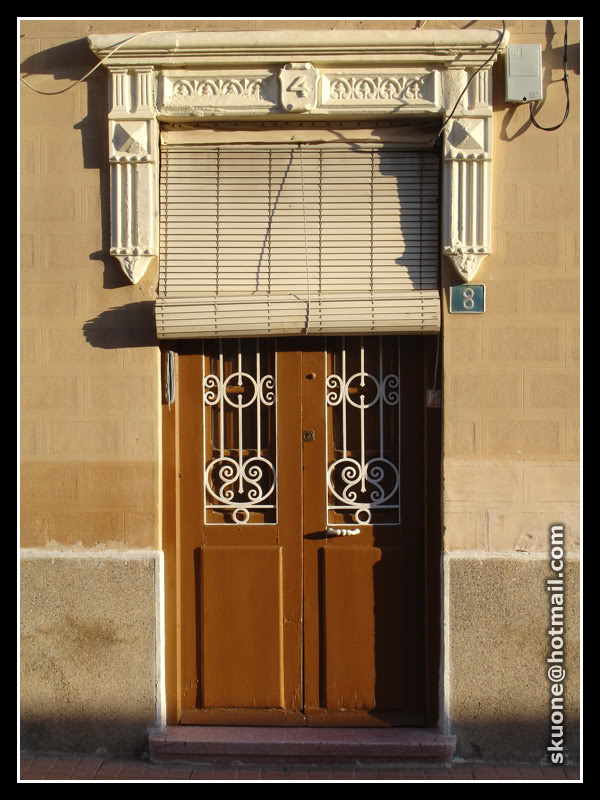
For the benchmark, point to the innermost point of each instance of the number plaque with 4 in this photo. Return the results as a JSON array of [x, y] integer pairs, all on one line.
[[299, 87]]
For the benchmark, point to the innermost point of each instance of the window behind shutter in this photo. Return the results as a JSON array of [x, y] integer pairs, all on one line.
[[292, 239]]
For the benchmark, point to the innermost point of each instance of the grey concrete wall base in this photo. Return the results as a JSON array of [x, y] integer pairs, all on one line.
[[88, 650], [498, 692]]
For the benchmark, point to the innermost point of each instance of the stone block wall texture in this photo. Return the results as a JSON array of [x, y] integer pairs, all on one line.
[[511, 407], [90, 383], [90, 363]]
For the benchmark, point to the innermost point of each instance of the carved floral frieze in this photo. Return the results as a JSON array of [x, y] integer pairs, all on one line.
[[217, 87], [299, 88], [386, 89], [189, 91]]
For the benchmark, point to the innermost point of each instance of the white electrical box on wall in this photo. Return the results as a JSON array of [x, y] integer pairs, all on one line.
[[523, 73]]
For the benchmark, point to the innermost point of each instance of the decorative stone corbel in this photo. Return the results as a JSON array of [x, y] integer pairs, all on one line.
[[467, 181], [133, 147]]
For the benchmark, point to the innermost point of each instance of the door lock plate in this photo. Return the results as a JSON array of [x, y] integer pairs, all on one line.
[[308, 436]]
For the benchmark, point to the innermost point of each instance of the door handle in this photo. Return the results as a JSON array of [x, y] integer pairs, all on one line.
[[343, 531]]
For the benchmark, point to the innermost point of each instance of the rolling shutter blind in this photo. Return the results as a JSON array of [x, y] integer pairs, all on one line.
[[289, 240]]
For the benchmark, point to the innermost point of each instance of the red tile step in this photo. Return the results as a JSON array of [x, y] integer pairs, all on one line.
[[260, 745]]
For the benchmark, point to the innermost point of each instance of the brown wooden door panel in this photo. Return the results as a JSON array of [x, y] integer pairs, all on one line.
[[281, 622], [241, 625], [240, 584], [364, 593], [370, 644]]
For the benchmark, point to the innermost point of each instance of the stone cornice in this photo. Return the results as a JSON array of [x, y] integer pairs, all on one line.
[[457, 47]]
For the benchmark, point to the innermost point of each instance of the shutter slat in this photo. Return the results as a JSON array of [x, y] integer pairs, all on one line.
[[243, 229]]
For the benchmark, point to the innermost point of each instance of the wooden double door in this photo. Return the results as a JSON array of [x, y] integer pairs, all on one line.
[[301, 553]]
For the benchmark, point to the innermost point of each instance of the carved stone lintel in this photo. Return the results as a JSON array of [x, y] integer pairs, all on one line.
[[219, 74]]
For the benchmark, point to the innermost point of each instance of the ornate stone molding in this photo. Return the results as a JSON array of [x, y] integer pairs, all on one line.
[[319, 75], [391, 89], [466, 223], [133, 149]]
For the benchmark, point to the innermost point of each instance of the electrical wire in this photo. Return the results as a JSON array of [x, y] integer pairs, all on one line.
[[437, 359], [305, 245], [471, 78], [99, 64], [565, 80]]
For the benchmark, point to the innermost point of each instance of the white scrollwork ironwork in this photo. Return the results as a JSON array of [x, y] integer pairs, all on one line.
[[239, 478], [364, 480]]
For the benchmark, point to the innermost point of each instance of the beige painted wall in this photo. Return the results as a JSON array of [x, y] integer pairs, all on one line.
[[90, 372], [511, 376], [90, 366]]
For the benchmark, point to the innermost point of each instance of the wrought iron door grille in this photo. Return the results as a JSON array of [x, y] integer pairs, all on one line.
[[363, 430], [239, 406]]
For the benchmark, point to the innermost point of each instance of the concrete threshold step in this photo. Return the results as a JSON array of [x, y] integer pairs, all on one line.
[[299, 745]]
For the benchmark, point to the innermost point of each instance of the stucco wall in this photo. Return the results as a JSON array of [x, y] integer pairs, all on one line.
[[90, 370], [88, 651]]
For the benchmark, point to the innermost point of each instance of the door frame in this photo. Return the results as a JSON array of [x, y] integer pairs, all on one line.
[[432, 443]]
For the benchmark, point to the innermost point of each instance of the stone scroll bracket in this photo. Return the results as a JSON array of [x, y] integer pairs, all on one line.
[[133, 149], [316, 75], [467, 162]]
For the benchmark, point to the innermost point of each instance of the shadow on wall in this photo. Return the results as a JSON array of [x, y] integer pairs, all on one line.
[[552, 59], [127, 326], [70, 62], [67, 63], [517, 739], [483, 740], [110, 733]]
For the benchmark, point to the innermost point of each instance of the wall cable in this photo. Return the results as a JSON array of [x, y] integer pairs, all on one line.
[[471, 78], [99, 64], [437, 359], [565, 80], [305, 245]]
